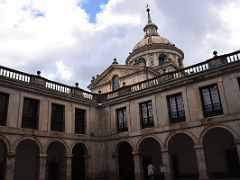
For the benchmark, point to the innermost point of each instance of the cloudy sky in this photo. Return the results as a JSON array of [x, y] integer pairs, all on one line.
[[72, 40]]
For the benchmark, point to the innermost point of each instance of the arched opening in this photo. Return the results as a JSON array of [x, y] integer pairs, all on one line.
[[221, 154], [56, 161], [125, 159], [115, 83], [27, 161], [183, 157], [3, 154], [140, 62], [78, 162], [162, 59], [150, 151]]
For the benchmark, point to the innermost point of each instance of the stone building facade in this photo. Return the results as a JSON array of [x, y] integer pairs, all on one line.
[[184, 120]]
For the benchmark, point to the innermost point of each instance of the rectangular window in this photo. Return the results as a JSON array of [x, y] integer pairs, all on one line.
[[176, 108], [3, 108], [30, 113], [79, 121], [146, 114], [57, 119], [122, 119], [211, 101]]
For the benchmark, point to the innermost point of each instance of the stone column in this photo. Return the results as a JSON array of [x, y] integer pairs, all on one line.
[[202, 167], [166, 162], [10, 164], [237, 144], [138, 171], [69, 167], [87, 167], [42, 166], [115, 165]]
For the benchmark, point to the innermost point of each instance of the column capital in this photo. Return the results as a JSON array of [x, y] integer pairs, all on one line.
[[135, 153], [164, 150], [198, 146], [237, 141], [115, 155], [11, 154], [42, 155], [68, 156]]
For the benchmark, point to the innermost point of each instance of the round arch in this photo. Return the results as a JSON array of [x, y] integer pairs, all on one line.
[[192, 136], [56, 140], [162, 59], [183, 156], [6, 142], [3, 156], [35, 140], [118, 144], [27, 159], [115, 82], [150, 156], [79, 163], [220, 153], [56, 160], [206, 130], [85, 146], [148, 137], [125, 161]]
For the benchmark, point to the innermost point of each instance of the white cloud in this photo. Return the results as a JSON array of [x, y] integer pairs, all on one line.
[[63, 71], [56, 37], [230, 16]]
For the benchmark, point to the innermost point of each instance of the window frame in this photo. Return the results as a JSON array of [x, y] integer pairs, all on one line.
[[121, 110], [56, 124], [115, 83], [27, 119], [149, 119], [4, 113], [80, 123], [178, 119], [162, 59], [213, 112]]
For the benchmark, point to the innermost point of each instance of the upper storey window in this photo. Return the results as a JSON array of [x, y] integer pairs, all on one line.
[[122, 119], [30, 113], [80, 121], [3, 108], [146, 114], [115, 83], [162, 59], [57, 118], [211, 101], [176, 108]]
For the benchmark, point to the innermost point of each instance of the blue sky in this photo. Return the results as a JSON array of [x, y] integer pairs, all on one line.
[[92, 7]]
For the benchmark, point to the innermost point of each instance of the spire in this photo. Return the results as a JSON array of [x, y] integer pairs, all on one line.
[[149, 16], [150, 28]]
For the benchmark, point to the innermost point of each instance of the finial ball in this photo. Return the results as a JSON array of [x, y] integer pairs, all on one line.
[[215, 53]]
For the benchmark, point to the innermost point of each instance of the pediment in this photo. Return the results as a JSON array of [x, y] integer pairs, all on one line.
[[119, 70]]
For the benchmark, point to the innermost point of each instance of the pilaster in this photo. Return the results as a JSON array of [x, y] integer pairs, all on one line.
[[115, 157], [138, 171], [166, 162], [202, 167], [42, 166], [10, 165], [69, 167]]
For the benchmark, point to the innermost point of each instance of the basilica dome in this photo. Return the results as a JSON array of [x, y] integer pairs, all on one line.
[[148, 40], [154, 50]]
